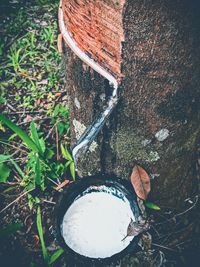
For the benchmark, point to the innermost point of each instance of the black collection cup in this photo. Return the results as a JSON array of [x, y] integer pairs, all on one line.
[[110, 184]]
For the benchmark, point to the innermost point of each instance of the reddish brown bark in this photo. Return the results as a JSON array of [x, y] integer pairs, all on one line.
[[96, 27]]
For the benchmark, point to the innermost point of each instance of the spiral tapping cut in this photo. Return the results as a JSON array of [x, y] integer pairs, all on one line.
[[91, 132]]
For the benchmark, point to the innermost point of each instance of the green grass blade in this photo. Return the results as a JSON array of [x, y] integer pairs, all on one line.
[[4, 172], [35, 136], [66, 153], [25, 138], [67, 164], [151, 205], [41, 236], [72, 169], [19, 170], [4, 158], [38, 180], [56, 255]]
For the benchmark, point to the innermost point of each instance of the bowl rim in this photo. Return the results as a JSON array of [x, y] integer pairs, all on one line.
[[72, 191]]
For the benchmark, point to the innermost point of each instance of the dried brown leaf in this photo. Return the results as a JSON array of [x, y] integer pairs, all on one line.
[[135, 228], [36, 239], [58, 94], [141, 182], [66, 182]]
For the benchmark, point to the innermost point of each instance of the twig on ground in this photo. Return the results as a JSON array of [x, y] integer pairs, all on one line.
[[161, 246], [50, 131], [154, 229], [182, 243], [52, 181], [10, 204], [190, 208], [12, 183], [168, 220], [17, 148], [24, 112], [36, 119], [16, 159], [48, 201], [11, 107]]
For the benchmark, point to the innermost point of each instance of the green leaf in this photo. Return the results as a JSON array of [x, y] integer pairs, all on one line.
[[35, 136], [42, 145], [67, 164], [8, 157], [38, 179], [32, 201], [61, 128], [56, 255], [49, 153], [2, 128], [30, 186], [72, 169], [12, 137], [41, 236], [4, 158], [19, 170], [37, 200], [4, 172], [151, 205], [25, 138], [59, 169], [10, 229], [2, 99], [66, 153]]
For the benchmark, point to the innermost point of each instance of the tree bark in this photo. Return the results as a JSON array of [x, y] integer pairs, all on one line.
[[156, 123]]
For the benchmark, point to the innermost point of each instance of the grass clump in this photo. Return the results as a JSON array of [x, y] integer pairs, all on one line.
[[30, 63], [34, 121]]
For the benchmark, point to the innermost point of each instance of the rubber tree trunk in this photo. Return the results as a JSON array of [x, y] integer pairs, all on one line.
[[156, 123]]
